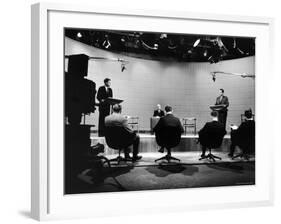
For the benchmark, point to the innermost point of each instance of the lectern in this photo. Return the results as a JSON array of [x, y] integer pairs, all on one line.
[[221, 109], [217, 107], [153, 123], [112, 101]]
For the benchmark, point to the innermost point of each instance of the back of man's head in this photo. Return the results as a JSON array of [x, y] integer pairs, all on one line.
[[248, 114], [214, 114], [116, 108], [168, 109]]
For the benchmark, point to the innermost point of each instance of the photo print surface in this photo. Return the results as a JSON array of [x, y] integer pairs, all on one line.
[[153, 111]]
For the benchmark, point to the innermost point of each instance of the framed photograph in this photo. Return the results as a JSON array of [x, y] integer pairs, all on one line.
[[148, 107]]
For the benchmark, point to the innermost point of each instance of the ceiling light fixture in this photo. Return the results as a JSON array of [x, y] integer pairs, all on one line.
[[163, 35], [79, 35], [106, 44], [205, 53], [189, 51], [196, 43]]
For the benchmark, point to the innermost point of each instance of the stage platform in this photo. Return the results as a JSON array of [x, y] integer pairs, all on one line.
[[148, 144]]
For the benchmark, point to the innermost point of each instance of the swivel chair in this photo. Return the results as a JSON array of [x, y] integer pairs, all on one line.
[[168, 138], [244, 138], [211, 140], [118, 138], [210, 155]]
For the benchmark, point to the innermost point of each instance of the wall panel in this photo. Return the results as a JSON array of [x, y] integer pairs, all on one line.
[[187, 87]]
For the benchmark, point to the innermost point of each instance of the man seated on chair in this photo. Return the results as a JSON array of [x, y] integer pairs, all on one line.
[[244, 136], [158, 112], [116, 119], [212, 129], [169, 120]]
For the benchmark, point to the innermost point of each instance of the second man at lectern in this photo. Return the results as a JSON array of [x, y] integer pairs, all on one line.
[[222, 100], [104, 92], [159, 112]]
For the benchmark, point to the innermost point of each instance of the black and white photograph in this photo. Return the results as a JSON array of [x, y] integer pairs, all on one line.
[[135, 112], [157, 110]]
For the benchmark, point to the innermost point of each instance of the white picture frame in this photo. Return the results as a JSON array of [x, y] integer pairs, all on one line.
[[48, 201]]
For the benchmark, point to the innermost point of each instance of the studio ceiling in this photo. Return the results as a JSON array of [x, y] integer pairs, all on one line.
[[166, 46]]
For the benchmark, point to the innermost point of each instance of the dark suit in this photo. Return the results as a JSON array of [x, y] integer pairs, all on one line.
[[104, 108], [79, 98], [158, 113], [211, 135], [223, 112], [169, 122], [118, 120], [244, 137]]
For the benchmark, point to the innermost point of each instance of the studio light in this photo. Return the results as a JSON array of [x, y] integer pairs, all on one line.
[[79, 35], [236, 49], [106, 44], [189, 51], [196, 43], [213, 76], [163, 35], [123, 67], [214, 59], [205, 53]]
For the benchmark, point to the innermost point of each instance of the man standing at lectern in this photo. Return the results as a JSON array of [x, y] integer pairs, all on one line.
[[104, 92], [158, 112], [223, 101]]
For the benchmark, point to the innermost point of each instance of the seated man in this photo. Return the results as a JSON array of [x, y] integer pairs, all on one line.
[[168, 121], [244, 136], [116, 119], [211, 134], [158, 112]]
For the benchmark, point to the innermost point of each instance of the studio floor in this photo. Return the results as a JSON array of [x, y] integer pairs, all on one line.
[[148, 175]]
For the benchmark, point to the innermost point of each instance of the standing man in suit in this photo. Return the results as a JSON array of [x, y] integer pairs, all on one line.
[[211, 134], [223, 101], [104, 92], [169, 120], [158, 112]]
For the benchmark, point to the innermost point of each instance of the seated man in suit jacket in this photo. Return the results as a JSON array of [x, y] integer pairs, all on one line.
[[211, 134], [244, 136], [116, 119], [169, 120], [158, 112]]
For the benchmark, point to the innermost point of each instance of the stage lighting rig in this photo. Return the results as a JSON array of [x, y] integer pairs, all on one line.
[[243, 75]]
